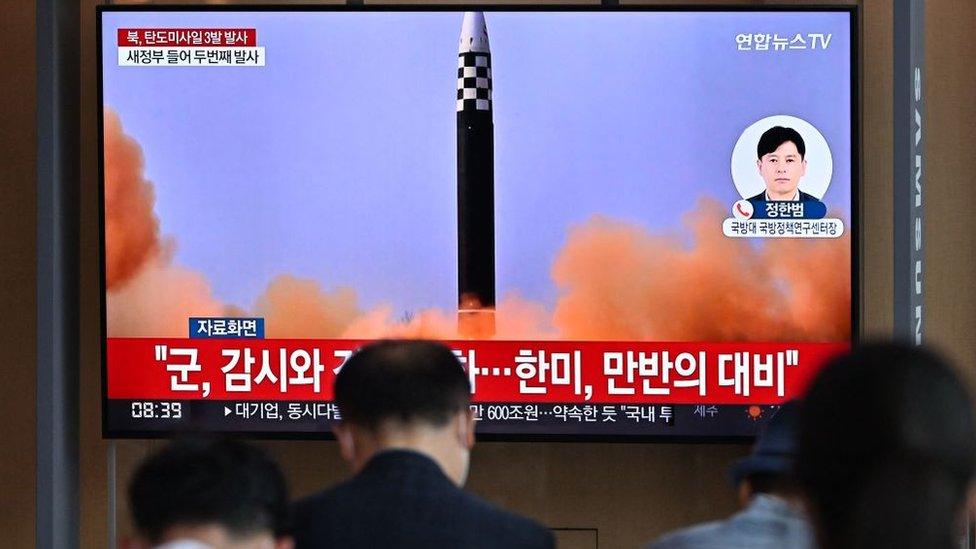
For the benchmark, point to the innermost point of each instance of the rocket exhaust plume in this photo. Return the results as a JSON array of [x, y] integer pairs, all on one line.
[[146, 294], [475, 181], [617, 281], [296, 307], [131, 228]]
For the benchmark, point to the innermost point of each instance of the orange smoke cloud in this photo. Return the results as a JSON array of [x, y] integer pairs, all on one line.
[[295, 307], [427, 324], [515, 318], [150, 296], [131, 228], [617, 281], [818, 276], [520, 318], [158, 301], [147, 295]]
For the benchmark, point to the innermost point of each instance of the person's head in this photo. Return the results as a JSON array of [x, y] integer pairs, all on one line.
[[221, 494], [769, 469], [405, 394], [887, 449], [781, 159]]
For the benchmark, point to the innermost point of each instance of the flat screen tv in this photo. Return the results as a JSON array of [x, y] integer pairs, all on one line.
[[627, 223]]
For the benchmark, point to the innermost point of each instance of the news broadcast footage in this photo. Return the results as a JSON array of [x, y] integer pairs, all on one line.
[[626, 224]]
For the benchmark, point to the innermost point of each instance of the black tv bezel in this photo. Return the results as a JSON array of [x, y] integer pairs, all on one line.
[[854, 11]]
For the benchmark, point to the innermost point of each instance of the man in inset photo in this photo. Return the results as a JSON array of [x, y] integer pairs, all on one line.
[[781, 163]]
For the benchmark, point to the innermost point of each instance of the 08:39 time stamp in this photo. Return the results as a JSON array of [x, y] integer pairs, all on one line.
[[156, 410]]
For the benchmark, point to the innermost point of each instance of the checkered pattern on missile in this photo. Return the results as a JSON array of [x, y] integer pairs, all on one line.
[[474, 81]]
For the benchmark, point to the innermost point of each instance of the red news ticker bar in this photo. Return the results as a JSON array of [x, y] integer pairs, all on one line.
[[135, 373], [187, 37]]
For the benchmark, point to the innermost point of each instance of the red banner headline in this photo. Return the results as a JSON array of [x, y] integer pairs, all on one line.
[[187, 37], [500, 371]]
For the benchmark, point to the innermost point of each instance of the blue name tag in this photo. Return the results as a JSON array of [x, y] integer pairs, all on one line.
[[789, 209], [226, 328]]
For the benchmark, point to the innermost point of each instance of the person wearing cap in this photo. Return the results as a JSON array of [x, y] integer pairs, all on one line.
[[773, 515]]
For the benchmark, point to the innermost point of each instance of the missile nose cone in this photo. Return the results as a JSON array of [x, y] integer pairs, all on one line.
[[474, 33]]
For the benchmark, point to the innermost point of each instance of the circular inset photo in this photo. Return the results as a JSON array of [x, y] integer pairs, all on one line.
[[781, 158]]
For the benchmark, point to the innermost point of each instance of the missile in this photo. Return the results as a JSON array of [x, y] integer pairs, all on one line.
[[475, 181]]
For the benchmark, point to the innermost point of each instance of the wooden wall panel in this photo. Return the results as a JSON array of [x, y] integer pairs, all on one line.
[[949, 130], [18, 258]]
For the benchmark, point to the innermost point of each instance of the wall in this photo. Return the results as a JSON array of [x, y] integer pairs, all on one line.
[[629, 492], [18, 311], [949, 130]]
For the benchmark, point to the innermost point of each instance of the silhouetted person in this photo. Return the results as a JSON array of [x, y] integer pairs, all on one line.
[[209, 495], [773, 515], [887, 450], [407, 431]]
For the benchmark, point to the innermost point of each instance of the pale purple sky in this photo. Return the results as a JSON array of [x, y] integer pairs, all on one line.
[[336, 161]]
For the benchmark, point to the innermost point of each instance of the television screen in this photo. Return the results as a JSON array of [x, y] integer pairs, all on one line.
[[625, 222]]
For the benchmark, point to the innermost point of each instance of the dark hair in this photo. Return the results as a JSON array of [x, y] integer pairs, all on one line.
[[887, 449], [772, 138], [197, 482], [407, 381]]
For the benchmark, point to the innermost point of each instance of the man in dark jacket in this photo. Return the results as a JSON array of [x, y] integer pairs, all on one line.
[[407, 432]]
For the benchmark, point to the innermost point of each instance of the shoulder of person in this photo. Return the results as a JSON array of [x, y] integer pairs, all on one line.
[[807, 197], [510, 529], [759, 197], [698, 536], [310, 510]]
